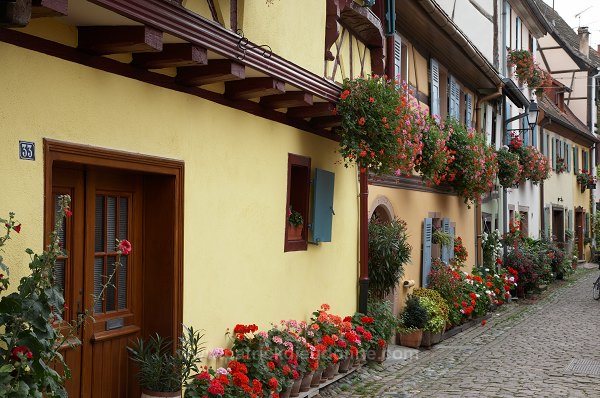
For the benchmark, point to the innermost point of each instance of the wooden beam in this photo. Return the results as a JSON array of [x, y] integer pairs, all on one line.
[[103, 40], [323, 122], [15, 14], [49, 8], [318, 109], [254, 88], [218, 70], [288, 100], [172, 55], [233, 15]]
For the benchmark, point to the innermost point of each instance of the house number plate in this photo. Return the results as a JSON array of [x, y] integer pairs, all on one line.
[[26, 150], [115, 323]]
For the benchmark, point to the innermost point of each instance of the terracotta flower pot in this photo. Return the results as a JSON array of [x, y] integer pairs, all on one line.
[[316, 380], [345, 365], [328, 373], [306, 380], [412, 339], [294, 231], [285, 393], [296, 387]]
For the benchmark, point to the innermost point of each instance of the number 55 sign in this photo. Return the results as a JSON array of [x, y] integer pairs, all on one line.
[[26, 150]]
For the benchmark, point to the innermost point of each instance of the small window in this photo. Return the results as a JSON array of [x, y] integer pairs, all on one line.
[[298, 188]]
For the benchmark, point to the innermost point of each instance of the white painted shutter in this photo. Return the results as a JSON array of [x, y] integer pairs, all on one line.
[[445, 248], [454, 94], [435, 88], [469, 110], [547, 221], [398, 57], [427, 235]]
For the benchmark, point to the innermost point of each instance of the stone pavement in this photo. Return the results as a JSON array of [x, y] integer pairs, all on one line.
[[545, 347]]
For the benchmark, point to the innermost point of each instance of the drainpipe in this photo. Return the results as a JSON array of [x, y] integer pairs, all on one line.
[[363, 281]]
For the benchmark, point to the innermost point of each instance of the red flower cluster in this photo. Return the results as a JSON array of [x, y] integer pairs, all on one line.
[[16, 352]]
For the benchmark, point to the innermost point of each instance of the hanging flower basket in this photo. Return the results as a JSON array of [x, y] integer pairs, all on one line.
[[379, 130], [509, 168]]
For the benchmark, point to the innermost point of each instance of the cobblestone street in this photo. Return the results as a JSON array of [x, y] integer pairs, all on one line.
[[545, 348]]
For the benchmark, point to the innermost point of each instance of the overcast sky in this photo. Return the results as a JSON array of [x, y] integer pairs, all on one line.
[[590, 15]]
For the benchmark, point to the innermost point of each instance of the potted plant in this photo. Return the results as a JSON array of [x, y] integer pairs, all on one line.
[[162, 370], [384, 327], [439, 239], [388, 252], [295, 224], [509, 168], [412, 320], [437, 310], [435, 155], [586, 180]]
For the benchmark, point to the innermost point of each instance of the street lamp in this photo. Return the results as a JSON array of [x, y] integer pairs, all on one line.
[[532, 114]]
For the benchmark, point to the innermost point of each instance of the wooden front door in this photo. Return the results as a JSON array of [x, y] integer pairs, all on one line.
[[106, 206], [579, 223]]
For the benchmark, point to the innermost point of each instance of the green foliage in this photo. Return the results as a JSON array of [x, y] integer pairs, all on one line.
[[436, 321], [509, 169], [414, 315], [388, 252], [386, 323], [29, 342], [161, 369], [441, 307], [441, 237]]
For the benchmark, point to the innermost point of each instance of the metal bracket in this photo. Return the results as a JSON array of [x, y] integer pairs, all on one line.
[[244, 45]]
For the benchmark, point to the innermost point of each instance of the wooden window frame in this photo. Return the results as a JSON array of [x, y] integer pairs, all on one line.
[[297, 197], [88, 156]]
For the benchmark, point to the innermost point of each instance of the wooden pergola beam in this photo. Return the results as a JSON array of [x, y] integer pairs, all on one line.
[[254, 88], [102, 40], [218, 70], [316, 110], [290, 99], [172, 56]]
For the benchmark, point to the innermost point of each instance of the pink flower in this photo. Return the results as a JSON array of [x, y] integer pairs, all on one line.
[[124, 247]]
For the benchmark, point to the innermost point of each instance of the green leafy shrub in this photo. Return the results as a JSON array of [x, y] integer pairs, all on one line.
[[414, 316], [388, 252]]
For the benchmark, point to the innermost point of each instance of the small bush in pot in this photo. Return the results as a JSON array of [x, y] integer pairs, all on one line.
[[414, 316], [162, 369]]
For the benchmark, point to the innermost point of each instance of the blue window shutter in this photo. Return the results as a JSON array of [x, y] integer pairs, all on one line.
[[554, 147], [435, 88], [322, 206], [575, 159], [570, 220], [469, 111], [427, 235], [568, 157], [534, 137], [445, 248], [452, 234]]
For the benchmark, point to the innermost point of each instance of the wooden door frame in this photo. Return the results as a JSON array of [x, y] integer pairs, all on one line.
[[84, 155]]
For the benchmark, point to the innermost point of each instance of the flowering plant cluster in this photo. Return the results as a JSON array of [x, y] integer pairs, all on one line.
[[527, 71], [585, 178], [509, 168], [474, 167], [492, 249], [435, 157], [534, 166], [470, 295], [265, 363], [534, 261], [379, 131], [33, 328], [460, 253], [561, 165]]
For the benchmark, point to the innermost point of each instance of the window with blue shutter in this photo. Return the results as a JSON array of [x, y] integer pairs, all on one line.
[[435, 88], [298, 193], [469, 111], [575, 160], [322, 206], [454, 98], [426, 263], [445, 248], [568, 157]]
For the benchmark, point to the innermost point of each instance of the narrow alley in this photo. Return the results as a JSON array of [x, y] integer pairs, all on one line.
[[543, 348]]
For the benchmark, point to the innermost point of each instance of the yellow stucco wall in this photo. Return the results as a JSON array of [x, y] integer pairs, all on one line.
[[413, 207], [235, 187]]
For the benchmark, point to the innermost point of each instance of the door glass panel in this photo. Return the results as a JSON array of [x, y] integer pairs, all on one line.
[[112, 218], [98, 281], [111, 287], [99, 235], [122, 286], [59, 274], [111, 223]]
